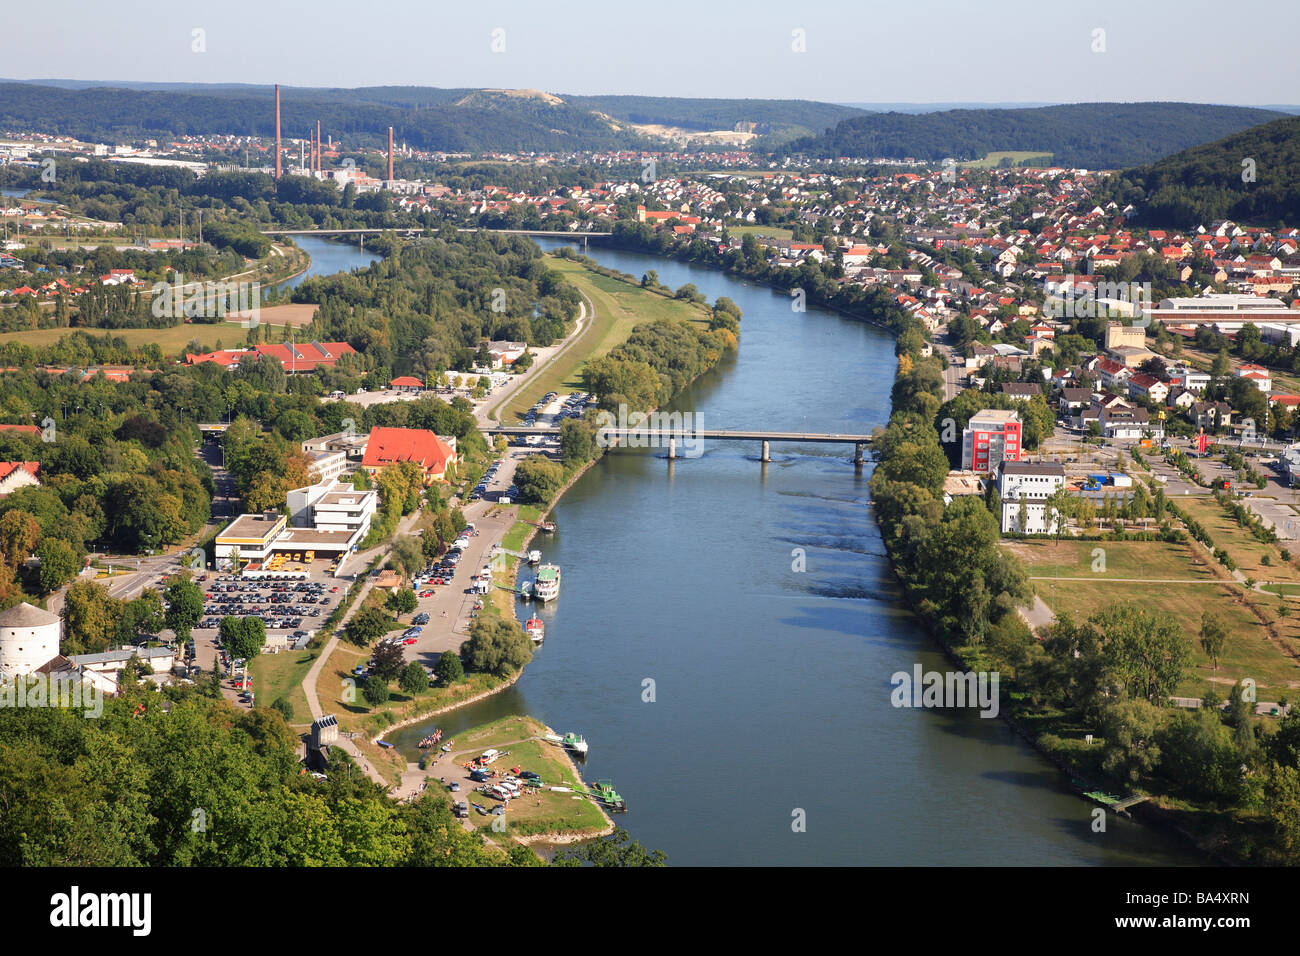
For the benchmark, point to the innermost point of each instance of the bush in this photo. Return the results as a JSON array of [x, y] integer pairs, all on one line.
[[284, 706]]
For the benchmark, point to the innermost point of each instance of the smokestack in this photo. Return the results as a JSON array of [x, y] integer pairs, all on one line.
[[277, 131], [390, 154], [318, 146]]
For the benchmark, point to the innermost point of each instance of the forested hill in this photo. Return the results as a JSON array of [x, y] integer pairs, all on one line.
[[1089, 135], [717, 114], [460, 120], [504, 122], [1200, 185]]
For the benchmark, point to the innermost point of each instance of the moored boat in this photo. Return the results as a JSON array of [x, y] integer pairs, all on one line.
[[535, 629], [575, 742], [547, 585], [526, 590], [608, 797]]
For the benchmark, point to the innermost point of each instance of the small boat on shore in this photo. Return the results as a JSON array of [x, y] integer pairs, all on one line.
[[535, 629], [575, 742], [608, 797]]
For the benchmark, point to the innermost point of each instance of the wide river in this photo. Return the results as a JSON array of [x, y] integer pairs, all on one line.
[[771, 686]]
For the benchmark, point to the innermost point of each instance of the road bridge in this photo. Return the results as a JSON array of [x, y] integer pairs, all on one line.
[[668, 437]]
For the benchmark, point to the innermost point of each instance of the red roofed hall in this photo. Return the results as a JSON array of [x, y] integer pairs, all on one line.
[[388, 446]]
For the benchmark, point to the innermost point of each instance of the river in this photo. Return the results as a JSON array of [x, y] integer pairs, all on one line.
[[771, 686], [327, 258]]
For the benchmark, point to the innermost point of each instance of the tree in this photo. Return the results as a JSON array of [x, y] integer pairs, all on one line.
[[617, 849], [184, 607], [284, 707], [414, 679], [407, 556], [59, 564], [90, 617], [1129, 727], [539, 479], [448, 670], [1214, 636], [367, 626], [496, 646], [19, 532], [243, 637], [375, 691], [389, 662], [401, 601]]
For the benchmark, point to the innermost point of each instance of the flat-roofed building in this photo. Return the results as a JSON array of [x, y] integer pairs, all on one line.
[[1024, 488], [249, 538]]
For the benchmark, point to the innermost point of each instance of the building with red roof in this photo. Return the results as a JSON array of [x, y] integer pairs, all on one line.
[[25, 429], [388, 446], [408, 382], [18, 474]]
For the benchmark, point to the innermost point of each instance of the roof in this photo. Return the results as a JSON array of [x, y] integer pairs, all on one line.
[[407, 381], [26, 615], [388, 446], [1033, 468]]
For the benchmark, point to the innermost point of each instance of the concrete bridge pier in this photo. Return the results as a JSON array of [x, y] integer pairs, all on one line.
[[857, 453], [767, 451], [672, 448]]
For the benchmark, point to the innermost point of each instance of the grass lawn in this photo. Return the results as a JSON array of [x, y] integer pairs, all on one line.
[[991, 160], [771, 232], [1154, 560], [619, 307], [1240, 544], [1251, 652], [281, 675], [545, 812], [171, 341], [338, 696]]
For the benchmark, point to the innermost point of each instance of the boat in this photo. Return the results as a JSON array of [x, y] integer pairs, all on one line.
[[480, 809], [431, 740], [526, 590], [608, 797], [534, 557], [535, 629], [384, 743], [446, 748], [547, 526], [575, 742], [547, 585]]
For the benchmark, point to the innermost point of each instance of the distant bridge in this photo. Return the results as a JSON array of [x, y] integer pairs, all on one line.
[[661, 437]]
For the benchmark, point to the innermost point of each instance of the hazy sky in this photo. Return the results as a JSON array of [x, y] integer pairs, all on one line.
[[867, 51]]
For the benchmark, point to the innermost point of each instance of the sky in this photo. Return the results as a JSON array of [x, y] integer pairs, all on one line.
[[869, 51]]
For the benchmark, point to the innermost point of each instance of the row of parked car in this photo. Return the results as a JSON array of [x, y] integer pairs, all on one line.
[[280, 606]]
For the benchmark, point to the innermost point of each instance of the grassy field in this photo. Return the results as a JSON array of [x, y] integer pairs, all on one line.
[[1263, 645], [171, 341], [771, 232], [281, 675], [1153, 560], [1240, 544], [1016, 156], [619, 307], [545, 812]]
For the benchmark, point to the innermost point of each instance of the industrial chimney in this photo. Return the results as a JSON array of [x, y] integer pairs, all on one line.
[[390, 154], [318, 146], [277, 131]]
